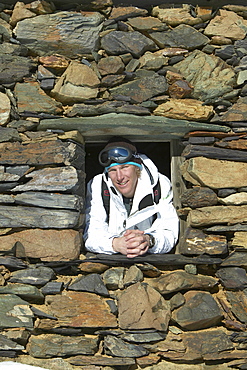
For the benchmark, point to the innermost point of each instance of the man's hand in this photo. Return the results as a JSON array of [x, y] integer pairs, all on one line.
[[132, 244]]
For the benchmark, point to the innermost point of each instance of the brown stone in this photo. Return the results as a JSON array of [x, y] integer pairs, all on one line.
[[181, 280], [81, 309], [239, 239], [187, 109], [4, 109], [180, 89], [217, 215], [227, 24], [48, 245], [149, 310], [201, 171], [196, 242], [56, 62]]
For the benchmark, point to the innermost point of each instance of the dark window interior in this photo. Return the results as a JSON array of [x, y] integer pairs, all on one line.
[[159, 153]]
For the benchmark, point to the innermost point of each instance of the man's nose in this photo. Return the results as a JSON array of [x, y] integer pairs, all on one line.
[[119, 174]]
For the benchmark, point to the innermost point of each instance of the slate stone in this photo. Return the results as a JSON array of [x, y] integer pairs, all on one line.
[[212, 82], [12, 263], [101, 360], [232, 278], [27, 292], [117, 347], [113, 278], [200, 311], [80, 309], [238, 302], [21, 315], [132, 276], [236, 258], [32, 98], [52, 345], [50, 200], [46, 245], [142, 89], [162, 128], [197, 242], [36, 276], [43, 153], [66, 33], [207, 342], [119, 42], [52, 287], [7, 344], [199, 197], [151, 309], [34, 217], [92, 283], [14, 68], [182, 36], [180, 280], [143, 336], [121, 13]]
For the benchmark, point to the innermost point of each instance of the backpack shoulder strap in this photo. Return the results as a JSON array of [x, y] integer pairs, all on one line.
[[105, 198], [157, 192]]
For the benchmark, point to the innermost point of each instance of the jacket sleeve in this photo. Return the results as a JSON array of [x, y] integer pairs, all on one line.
[[166, 226], [96, 235]]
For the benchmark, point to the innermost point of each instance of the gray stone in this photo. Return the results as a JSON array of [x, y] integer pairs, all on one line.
[[54, 179], [32, 98], [238, 302], [66, 33], [36, 276], [14, 68], [117, 347], [12, 49], [200, 311], [143, 336], [132, 276], [182, 36], [110, 65], [232, 278], [157, 128], [92, 283], [7, 344], [113, 278], [49, 200], [25, 291], [209, 75], [52, 287], [52, 345], [142, 89], [15, 312], [119, 42], [34, 217]]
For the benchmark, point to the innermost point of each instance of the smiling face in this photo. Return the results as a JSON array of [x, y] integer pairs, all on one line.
[[124, 177]]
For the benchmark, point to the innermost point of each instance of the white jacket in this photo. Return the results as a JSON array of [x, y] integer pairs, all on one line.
[[98, 234]]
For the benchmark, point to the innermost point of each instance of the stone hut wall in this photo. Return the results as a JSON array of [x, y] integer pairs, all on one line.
[[81, 75]]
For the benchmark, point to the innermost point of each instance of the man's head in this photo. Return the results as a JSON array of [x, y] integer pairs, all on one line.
[[119, 150], [122, 163]]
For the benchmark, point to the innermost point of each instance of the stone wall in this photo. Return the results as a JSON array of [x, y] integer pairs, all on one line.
[[84, 74]]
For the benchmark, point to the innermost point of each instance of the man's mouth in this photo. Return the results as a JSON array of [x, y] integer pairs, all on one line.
[[122, 183]]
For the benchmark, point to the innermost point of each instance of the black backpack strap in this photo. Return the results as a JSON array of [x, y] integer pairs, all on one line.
[[157, 192], [105, 198]]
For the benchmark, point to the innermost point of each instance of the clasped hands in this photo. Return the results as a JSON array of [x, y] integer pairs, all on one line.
[[133, 243]]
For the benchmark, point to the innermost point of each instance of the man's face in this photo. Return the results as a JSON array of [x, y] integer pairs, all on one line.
[[124, 177]]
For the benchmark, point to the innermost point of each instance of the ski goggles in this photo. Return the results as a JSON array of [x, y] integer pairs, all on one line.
[[115, 154]]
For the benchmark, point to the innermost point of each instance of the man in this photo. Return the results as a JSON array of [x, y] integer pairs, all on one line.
[[129, 207]]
